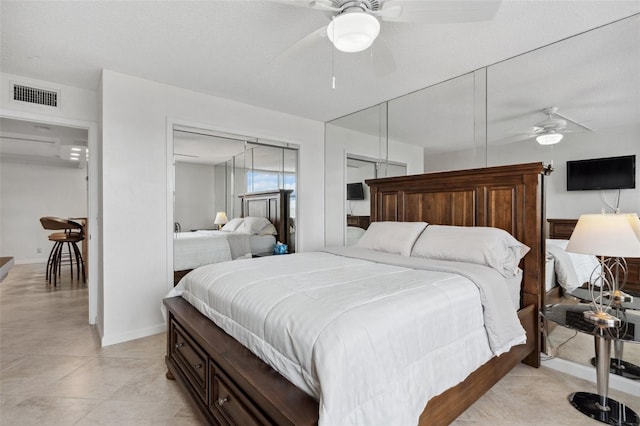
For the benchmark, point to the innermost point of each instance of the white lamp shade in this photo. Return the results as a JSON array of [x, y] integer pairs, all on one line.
[[549, 138], [610, 235], [353, 32], [221, 218]]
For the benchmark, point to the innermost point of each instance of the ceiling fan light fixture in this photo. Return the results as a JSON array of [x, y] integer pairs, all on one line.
[[549, 138], [353, 32]]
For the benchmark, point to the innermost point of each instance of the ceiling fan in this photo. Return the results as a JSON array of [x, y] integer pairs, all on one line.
[[550, 131], [355, 24]]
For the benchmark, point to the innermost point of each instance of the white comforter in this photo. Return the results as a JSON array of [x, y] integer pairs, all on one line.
[[372, 342], [194, 249]]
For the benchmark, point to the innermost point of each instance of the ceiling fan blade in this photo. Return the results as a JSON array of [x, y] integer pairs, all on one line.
[[299, 3], [574, 121], [388, 13], [511, 139], [441, 11], [325, 5], [301, 46]]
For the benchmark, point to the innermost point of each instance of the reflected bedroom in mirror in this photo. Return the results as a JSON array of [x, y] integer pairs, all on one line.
[[234, 198], [558, 105]]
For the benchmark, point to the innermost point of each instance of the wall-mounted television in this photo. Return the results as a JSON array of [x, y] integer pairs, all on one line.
[[602, 173], [355, 191]]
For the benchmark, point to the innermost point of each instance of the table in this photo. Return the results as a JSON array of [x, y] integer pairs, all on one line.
[[618, 365], [599, 406]]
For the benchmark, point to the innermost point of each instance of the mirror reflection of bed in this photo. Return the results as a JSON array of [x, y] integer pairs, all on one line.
[[249, 183], [482, 119]]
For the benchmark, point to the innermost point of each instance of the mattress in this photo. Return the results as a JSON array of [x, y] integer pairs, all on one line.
[[194, 249], [261, 243], [204, 247], [325, 322]]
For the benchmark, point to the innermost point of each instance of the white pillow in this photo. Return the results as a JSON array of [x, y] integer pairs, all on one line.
[[391, 237], [572, 269], [232, 225], [255, 225], [268, 230], [482, 245]]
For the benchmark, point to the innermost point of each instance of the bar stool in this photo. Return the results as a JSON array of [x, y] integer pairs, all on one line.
[[71, 235]]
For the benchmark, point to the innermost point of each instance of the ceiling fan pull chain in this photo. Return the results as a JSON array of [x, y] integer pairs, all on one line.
[[333, 62]]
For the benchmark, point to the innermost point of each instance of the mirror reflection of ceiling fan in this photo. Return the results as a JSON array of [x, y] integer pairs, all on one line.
[[355, 24], [550, 131]]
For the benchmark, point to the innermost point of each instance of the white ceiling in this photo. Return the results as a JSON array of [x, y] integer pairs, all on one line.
[[241, 49]]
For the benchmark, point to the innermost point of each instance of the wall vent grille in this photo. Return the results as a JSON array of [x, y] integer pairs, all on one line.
[[34, 95]]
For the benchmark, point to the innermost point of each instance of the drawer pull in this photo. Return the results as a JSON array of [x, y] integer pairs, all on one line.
[[179, 345], [221, 401], [197, 366]]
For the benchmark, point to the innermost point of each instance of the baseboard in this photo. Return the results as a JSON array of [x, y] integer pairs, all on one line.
[[113, 339], [618, 383]]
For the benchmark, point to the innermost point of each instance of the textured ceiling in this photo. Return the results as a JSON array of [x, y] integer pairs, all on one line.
[[242, 50]]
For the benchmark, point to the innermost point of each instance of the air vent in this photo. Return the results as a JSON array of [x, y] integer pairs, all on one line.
[[34, 95]]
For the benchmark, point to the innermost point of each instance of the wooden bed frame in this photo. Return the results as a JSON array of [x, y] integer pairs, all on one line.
[[229, 384], [274, 205]]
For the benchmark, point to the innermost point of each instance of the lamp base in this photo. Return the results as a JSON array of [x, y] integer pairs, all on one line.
[[619, 296], [622, 368], [615, 413], [601, 318]]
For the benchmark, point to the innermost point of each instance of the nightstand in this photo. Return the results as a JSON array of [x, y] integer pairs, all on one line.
[[599, 406]]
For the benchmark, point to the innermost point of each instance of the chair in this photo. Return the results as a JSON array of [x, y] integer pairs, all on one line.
[[72, 234]]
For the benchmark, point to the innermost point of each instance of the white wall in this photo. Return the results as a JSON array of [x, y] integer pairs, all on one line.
[[560, 203], [220, 204], [137, 222], [340, 142], [29, 191], [195, 195]]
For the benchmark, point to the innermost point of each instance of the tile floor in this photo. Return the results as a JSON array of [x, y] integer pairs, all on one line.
[[54, 372]]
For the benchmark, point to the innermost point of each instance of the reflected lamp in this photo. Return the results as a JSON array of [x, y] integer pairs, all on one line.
[[613, 236], [221, 219], [549, 138]]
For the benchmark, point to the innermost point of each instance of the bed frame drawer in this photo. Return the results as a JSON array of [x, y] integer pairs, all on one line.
[[190, 358], [230, 401]]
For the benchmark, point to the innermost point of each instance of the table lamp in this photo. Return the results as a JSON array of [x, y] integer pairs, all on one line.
[[221, 219], [606, 236]]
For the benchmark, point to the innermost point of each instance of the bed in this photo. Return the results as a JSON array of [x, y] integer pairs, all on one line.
[[560, 231], [203, 247], [228, 383]]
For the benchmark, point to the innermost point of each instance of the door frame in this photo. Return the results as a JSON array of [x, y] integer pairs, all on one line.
[[95, 227]]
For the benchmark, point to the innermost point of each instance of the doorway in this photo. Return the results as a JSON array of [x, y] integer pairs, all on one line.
[[46, 170]]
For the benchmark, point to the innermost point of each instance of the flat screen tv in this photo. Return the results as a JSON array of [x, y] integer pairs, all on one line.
[[602, 173], [355, 191]]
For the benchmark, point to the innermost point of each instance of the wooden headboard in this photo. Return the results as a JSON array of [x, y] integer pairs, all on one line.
[[274, 205], [506, 197]]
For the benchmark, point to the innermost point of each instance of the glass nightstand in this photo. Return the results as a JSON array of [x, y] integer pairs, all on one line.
[[599, 406]]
